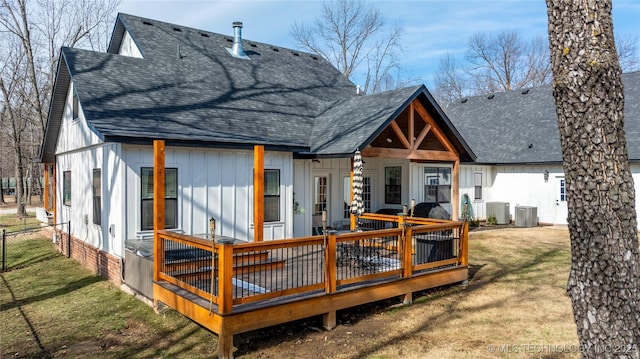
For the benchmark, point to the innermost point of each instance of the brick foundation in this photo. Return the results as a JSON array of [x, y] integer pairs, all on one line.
[[90, 257]]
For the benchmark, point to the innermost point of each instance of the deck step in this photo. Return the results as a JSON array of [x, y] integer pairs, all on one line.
[[195, 269]]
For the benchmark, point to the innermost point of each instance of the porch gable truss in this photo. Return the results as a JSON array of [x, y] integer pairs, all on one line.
[[399, 139]]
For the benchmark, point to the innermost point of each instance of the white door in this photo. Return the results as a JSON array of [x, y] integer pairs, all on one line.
[[561, 201]]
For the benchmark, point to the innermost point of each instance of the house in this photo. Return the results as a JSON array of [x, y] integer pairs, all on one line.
[[516, 140], [212, 99]]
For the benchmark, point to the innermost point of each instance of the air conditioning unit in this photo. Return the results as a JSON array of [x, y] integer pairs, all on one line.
[[526, 216], [500, 210]]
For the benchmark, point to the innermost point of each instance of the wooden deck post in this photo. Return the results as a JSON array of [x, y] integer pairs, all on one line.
[[225, 297], [455, 198], [46, 186], [258, 193], [464, 245], [405, 245], [329, 319], [55, 197], [158, 207]]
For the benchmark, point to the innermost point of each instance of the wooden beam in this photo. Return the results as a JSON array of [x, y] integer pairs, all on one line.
[[225, 278], [414, 155], [258, 193], [421, 136], [464, 246], [46, 186], [330, 278], [158, 206], [411, 127], [398, 132], [55, 195], [436, 130], [455, 200]]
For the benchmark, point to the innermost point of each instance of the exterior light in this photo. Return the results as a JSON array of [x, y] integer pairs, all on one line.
[[546, 176]]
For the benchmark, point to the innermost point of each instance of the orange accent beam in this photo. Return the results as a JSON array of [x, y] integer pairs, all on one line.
[[411, 127], [455, 200], [55, 196], [46, 186], [398, 132], [158, 206], [258, 193]]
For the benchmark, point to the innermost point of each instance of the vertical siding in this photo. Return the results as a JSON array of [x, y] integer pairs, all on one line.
[[74, 133], [128, 47], [81, 165], [467, 173], [212, 183]]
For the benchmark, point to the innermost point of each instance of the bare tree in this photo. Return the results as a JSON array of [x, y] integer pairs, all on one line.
[[604, 282], [450, 80], [503, 62], [628, 53], [35, 31], [351, 34]]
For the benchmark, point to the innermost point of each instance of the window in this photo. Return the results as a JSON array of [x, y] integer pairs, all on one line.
[[437, 184], [271, 195], [97, 196], [392, 185], [477, 185], [66, 188], [320, 187], [366, 195], [563, 191], [170, 197], [76, 108]]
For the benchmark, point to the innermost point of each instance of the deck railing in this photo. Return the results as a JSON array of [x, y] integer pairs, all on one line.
[[235, 274]]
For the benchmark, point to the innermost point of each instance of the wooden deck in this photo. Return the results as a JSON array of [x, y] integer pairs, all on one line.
[[234, 288]]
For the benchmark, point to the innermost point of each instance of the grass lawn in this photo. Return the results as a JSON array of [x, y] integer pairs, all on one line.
[[13, 223], [515, 306]]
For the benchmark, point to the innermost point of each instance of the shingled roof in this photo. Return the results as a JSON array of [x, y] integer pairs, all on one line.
[[520, 126], [188, 90]]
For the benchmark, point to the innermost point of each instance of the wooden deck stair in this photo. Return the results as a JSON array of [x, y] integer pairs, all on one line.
[[242, 263]]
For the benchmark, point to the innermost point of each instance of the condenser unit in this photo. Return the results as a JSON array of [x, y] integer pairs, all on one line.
[[499, 210], [526, 216]]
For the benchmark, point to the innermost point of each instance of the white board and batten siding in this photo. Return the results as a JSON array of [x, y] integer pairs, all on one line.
[[128, 47], [212, 183], [520, 185], [468, 175], [79, 151]]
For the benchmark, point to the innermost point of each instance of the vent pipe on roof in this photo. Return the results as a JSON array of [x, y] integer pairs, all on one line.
[[237, 50]]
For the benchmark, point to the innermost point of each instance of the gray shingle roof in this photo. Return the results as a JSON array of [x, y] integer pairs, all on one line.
[[189, 90], [517, 127]]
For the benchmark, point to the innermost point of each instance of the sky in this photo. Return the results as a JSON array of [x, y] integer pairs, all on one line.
[[431, 28]]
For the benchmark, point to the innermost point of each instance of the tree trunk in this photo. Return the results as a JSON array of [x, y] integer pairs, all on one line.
[[20, 208], [604, 282]]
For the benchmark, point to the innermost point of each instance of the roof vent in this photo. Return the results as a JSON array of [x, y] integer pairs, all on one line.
[[237, 50], [490, 97], [147, 22], [525, 91], [177, 29], [464, 100]]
